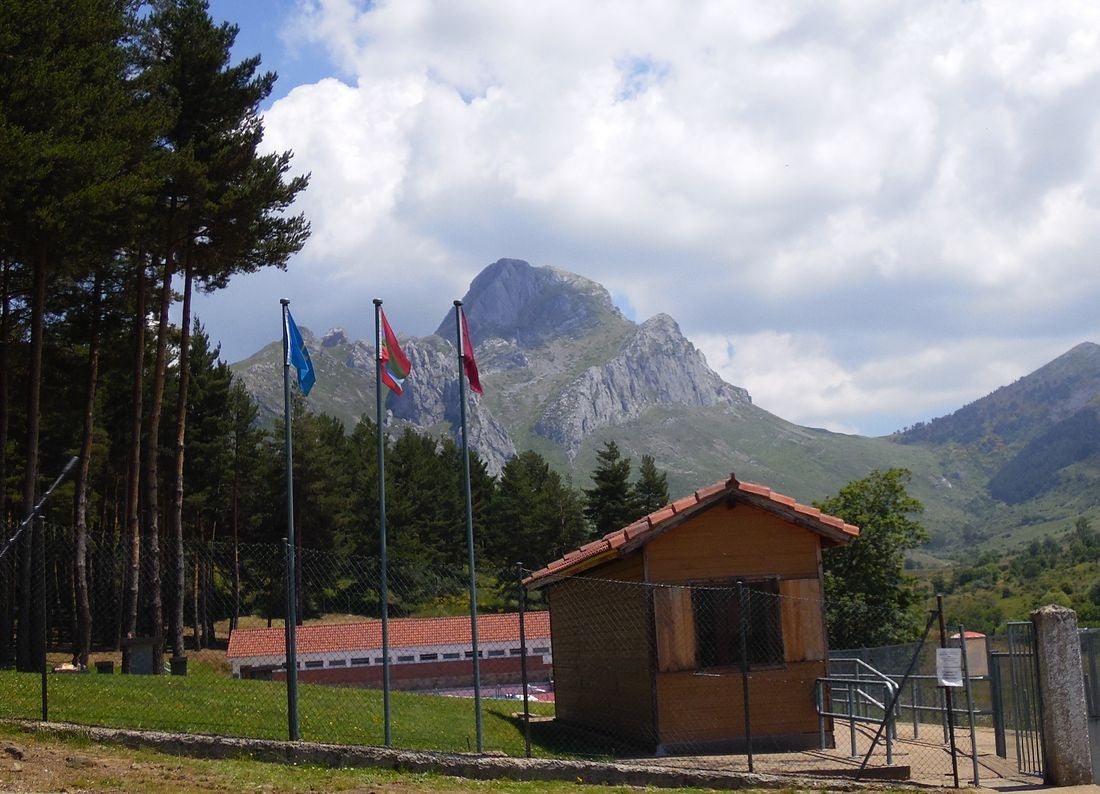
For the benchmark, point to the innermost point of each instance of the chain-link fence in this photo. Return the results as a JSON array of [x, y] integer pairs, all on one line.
[[731, 675]]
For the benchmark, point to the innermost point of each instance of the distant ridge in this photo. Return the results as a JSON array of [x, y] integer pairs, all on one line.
[[1022, 410]]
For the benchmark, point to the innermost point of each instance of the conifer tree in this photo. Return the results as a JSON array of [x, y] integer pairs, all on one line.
[[609, 503], [66, 127], [651, 489], [536, 516], [221, 204]]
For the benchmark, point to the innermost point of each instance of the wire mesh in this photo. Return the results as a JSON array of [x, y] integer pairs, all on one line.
[[729, 675]]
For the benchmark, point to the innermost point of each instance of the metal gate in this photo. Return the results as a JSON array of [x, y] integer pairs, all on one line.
[[1090, 650], [1017, 708]]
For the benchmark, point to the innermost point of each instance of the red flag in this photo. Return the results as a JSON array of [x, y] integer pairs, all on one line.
[[395, 364], [468, 356]]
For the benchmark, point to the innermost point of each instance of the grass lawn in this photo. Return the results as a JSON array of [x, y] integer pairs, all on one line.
[[206, 701], [72, 763]]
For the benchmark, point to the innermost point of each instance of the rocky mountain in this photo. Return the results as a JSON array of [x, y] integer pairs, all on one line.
[[564, 371], [558, 359]]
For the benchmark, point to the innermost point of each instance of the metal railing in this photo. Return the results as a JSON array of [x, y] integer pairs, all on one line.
[[861, 696]]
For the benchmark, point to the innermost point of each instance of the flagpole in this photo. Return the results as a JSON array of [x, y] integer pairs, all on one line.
[[384, 593], [469, 523], [291, 563]]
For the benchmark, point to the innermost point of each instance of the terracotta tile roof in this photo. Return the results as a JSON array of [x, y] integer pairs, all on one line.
[[403, 633], [615, 544]]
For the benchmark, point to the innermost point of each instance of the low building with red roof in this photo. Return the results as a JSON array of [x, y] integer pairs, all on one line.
[[425, 653], [646, 622]]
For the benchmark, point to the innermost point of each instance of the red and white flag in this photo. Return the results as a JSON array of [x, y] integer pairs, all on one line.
[[468, 355]]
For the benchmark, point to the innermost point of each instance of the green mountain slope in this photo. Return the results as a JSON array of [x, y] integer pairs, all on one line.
[[1031, 451]]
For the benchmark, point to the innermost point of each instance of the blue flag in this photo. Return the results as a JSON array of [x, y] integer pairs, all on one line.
[[297, 356]]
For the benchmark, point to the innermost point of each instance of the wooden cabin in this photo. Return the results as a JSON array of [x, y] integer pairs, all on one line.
[[646, 635]]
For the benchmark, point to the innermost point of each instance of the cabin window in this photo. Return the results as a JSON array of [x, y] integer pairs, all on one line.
[[718, 617]]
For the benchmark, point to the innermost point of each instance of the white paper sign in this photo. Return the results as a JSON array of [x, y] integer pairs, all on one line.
[[949, 666]]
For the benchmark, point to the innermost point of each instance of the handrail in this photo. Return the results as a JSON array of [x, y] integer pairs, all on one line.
[[890, 682], [854, 693], [862, 675]]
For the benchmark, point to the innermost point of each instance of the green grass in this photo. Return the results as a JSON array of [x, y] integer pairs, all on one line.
[[205, 702], [150, 770]]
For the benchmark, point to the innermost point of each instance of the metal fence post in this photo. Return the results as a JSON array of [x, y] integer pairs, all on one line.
[[38, 529], [948, 698], [523, 658], [743, 608], [852, 720], [916, 708], [969, 703]]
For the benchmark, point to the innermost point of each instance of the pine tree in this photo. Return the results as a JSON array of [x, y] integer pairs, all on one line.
[[651, 489], [66, 127], [221, 207], [609, 503], [536, 516]]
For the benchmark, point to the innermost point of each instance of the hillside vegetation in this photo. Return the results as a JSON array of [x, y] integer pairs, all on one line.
[[992, 589]]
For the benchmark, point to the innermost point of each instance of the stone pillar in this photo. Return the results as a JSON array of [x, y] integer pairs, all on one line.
[[1066, 753]]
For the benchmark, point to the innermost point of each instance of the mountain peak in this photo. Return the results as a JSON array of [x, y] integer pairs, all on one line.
[[512, 300], [335, 336]]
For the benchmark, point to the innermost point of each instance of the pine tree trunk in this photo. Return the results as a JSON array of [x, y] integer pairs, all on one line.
[[152, 485], [209, 634], [181, 436], [83, 637], [236, 552], [195, 598], [30, 649], [7, 581], [133, 518]]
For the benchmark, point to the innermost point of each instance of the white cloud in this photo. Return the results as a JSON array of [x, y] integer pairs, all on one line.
[[803, 180], [803, 379]]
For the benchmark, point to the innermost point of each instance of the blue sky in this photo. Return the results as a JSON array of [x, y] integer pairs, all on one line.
[[867, 214], [262, 24]]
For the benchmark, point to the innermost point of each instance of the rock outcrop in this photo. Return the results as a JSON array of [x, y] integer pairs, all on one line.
[[656, 366], [530, 306]]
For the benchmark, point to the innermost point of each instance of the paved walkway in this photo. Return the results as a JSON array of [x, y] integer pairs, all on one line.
[[927, 757]]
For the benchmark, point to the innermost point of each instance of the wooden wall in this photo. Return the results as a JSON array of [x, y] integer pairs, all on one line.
[[602, 643], [724, 544], [727, 542], [707, 709]]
